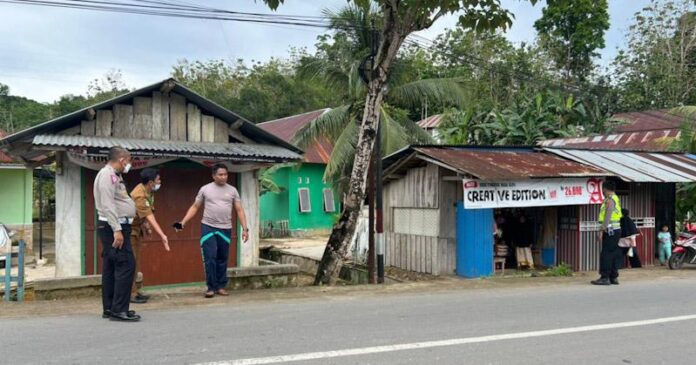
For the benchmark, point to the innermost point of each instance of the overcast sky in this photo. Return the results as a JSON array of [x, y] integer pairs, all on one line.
[[48, 52]]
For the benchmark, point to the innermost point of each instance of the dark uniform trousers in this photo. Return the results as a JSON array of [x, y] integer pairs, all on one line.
[[118, 268], [611, 256]]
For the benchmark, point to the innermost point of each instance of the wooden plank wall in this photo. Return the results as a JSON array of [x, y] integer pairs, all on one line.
[[420, 188], [164, 116], [431, 255]]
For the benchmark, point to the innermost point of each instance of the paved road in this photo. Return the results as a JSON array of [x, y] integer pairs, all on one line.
[[547, 325]]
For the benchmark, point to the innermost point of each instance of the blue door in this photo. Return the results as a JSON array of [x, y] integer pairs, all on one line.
[[474, 242]]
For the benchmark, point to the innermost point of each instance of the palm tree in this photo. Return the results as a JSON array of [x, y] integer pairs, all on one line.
[[339, 67]]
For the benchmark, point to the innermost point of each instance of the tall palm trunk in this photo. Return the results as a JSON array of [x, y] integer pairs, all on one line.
[[344, 229]]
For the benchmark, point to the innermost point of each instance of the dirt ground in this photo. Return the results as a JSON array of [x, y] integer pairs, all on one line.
[[192, 296]]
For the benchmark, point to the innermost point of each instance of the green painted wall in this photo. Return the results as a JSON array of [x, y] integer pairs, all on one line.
[[309, 176], [274, 207], [16, 194], [285, 205]]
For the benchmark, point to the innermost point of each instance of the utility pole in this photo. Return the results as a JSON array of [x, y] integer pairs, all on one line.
[[372, 273], [378, 207]]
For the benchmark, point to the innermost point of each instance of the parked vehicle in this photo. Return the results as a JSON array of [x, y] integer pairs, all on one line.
[[684, 250]]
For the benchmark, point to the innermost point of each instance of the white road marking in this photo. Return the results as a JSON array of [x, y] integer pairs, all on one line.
[[442, 343]]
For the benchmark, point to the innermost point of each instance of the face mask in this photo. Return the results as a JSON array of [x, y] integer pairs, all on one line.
[[127, 168], [157, 187]]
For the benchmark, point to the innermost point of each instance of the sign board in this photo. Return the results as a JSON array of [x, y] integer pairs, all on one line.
[[96, 162], [532, 193]]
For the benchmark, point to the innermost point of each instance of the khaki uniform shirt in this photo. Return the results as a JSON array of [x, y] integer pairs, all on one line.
[[111, 197], [144, 207]]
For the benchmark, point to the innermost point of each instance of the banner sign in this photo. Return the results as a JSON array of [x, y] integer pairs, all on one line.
[[96, 162], [532, 193]]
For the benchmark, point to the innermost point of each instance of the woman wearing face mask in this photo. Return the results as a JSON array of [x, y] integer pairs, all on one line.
[[143, 224]]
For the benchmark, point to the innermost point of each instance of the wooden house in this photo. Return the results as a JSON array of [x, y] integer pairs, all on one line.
[[307, 204], [165, 125]]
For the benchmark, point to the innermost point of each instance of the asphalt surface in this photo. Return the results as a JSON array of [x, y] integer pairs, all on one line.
[[300, 326]]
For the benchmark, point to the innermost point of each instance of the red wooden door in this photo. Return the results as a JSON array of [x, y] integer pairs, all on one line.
[[183, 264]]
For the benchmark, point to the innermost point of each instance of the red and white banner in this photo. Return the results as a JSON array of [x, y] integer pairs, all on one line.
[[532, 193]]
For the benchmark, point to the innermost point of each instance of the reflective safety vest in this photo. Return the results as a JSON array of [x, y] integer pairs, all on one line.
[[615, 215]]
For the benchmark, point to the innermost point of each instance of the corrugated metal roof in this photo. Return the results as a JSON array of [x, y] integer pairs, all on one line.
[[172, 148], [504, 164], [5, 159], [431, 122], [636, 166], [656, 140], [286, 129], [66, 121], [649, 120]]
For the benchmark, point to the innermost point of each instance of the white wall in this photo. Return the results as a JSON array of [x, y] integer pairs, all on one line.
[[68, 224], [250, 201]]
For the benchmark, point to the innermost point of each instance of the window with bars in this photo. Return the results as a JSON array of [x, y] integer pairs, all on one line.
[[329, 203], [305, 203]]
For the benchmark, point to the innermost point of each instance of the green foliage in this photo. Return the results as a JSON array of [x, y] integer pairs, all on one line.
[[571, 31], [525, 122], [261, 92], [657, 69], [561, 269]]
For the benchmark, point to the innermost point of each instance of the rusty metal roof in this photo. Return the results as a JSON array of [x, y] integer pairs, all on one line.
[[656, 140], [286, 129], [431, 122], [636, 166], [496, 163], [5, 159], [235, 151], [649, 120]]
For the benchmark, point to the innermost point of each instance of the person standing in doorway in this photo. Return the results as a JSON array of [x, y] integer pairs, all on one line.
[[115, 210], [665, 244], [218, 200], [144, 223], [609, 234], [629, 232], [524, 238]]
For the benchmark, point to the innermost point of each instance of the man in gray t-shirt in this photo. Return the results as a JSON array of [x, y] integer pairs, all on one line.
[[218, 200]]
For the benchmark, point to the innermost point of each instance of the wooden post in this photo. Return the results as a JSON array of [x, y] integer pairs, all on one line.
[[372, 274]]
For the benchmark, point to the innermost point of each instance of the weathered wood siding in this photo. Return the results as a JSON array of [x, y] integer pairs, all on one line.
[[163, 116], [422, 188], [431, 255]]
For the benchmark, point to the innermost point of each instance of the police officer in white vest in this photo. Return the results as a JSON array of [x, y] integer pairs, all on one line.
[[610, 232]]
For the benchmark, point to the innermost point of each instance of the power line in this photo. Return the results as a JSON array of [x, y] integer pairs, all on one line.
[[191, 11]]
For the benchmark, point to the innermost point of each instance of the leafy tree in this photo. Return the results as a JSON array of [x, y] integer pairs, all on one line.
[[262, 92], [657, 68], [525, 122], [337, 64], [399, 20], [572, 31]]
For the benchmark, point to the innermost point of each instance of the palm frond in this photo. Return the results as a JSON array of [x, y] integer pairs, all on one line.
[[330, 124], [394, 137], [343, 153], [447, 90]]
